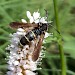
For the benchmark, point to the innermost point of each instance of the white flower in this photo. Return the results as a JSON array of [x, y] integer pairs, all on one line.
[[23, 20], [20, 56], [35, 18]]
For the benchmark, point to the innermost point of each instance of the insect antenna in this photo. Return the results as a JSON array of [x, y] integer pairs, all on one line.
[[49, 24]]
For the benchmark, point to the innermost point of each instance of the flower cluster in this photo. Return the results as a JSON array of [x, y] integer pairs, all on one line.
[[35, 18], [20, 59]]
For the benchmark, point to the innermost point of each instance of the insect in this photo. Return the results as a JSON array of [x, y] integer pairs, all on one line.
[[38, 29]]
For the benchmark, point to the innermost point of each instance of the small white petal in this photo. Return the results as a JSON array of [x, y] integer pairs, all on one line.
[[18, 69], [16, 63], [30, 72], [42, 20], [23, 20], [21, 54], [37, 21], [9, 73], [15, 40], [20, 33], [33, 66], [46, 35], [31, 20], [12, 46], [12, 68], [36, 15], [29, 14], [20, 30], [26, 66], [19, 73], [50, 21], [26, 46]]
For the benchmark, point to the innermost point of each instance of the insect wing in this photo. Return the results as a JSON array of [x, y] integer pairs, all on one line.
[[37, 49], [22, 25]]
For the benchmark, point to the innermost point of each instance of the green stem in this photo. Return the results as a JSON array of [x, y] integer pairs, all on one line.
[[62, 57]]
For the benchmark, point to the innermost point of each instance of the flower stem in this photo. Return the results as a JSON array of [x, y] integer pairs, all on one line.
[[60, 45]]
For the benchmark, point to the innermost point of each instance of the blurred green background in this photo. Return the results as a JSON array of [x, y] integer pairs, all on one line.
[[15, 10]]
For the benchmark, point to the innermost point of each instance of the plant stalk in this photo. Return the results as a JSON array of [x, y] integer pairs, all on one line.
[[60, 45]]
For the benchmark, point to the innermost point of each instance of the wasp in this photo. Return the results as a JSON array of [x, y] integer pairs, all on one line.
[[36, 30]]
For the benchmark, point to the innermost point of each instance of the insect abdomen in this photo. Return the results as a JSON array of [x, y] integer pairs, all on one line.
[[30, 36], [24, 41]]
